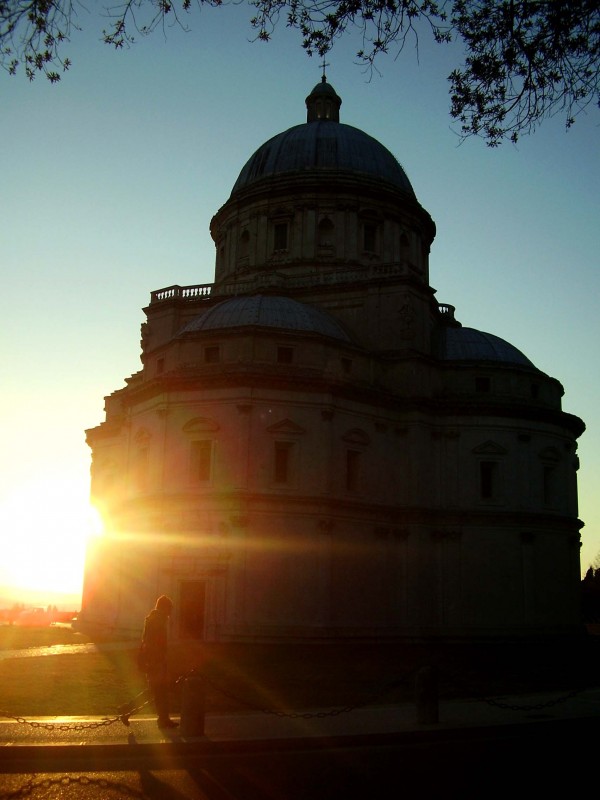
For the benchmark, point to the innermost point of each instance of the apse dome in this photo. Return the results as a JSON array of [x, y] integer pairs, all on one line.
[[267, 311], [468, 344], [323, 143]]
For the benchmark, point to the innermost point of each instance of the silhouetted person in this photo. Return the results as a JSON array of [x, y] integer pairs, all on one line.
[[155, 648]]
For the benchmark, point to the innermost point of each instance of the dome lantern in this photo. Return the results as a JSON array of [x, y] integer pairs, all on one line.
[[323, 103]]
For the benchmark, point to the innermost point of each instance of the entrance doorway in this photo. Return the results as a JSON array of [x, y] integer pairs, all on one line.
[[192, 605]]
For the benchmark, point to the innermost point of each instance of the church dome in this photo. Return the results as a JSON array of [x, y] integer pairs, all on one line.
[[323, 143], [468, 344], [267, 311]]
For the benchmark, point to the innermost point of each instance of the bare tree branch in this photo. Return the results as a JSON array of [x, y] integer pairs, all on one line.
[[525, 60]]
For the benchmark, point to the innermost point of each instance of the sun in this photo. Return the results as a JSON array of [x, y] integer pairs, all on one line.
[[45, 527]]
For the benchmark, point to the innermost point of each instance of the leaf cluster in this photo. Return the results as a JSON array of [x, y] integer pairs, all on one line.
[[526, 60], [32, 33], [590, 595]]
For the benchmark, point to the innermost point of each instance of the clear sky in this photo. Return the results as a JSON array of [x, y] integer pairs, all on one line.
[[110, 179]]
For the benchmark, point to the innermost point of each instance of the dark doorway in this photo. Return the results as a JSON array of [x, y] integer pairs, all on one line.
[[192, 603]]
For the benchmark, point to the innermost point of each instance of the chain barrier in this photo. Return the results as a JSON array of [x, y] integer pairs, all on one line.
[[53, 726], [498, 703], [33, 787], [124, 716], [532, 706], [334, 712]]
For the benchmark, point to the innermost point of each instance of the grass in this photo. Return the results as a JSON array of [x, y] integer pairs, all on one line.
[[282, 677]]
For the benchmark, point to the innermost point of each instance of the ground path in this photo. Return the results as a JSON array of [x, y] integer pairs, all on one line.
[[65, 649]]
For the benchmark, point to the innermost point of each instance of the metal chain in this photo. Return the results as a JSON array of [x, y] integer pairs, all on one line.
[[520, 707], [334, 712], [53, 726], [533, 706], [33, 786], [124, 718]]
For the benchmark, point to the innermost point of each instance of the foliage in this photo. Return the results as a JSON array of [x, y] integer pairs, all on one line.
[[524, 60], [590, 595]]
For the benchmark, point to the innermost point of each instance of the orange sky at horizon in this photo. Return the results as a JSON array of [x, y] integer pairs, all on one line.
[[49, 522]]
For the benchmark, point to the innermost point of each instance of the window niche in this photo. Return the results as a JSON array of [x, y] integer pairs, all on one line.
[[356, 442], [549, 462], [280, 236], [212, 354], [353, 469], [282, 461], [285, 354], [244, 247], [325, 236], [285, 452], [488, 480], [201, 432], [201, 451], [141, 468], [490, 462], [141, 461], [369, 232], [244, 244]]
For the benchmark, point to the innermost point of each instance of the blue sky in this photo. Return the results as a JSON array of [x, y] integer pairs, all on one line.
[[111, 177]]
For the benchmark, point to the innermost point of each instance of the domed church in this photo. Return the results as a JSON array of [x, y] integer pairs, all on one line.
[[315, 448]]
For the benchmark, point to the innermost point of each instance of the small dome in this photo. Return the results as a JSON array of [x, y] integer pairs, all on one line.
[[468, 344], [267, 311]]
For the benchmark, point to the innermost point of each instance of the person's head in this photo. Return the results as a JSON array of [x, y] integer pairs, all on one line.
[[164, 604]]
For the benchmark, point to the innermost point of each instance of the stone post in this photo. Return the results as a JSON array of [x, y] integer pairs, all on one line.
[[426, 695], [193, 706]]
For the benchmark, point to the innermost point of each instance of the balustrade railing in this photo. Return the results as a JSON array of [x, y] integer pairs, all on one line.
[[183, 292], [350, 274]]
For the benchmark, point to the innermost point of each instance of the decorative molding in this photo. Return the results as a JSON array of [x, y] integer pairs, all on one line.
[[325, 525], [527, 537], [200, 424], [490, 448], [440, 535], [356, 436], [286, 426], [550, 454], [142, 437], [384, 531], [406, 321]]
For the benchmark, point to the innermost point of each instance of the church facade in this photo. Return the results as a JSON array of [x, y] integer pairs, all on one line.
[[315, 448]]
